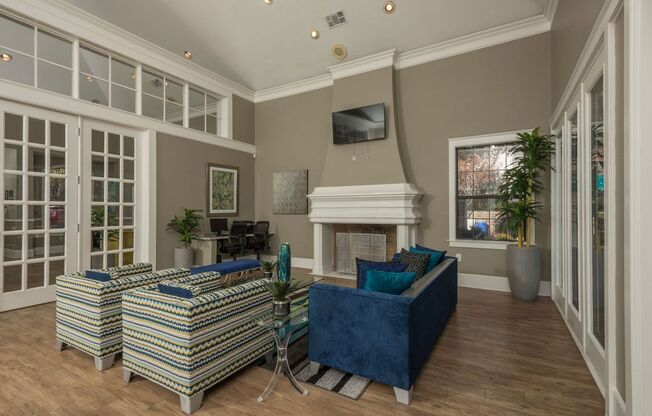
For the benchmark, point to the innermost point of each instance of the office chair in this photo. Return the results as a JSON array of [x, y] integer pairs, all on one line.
[[258, 242], [237, 240]]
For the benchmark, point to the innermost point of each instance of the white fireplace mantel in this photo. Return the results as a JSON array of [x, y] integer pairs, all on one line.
[[394, 204]]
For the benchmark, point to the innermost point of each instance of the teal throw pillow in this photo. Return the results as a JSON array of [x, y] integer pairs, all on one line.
[[393, 283], [433, 260]]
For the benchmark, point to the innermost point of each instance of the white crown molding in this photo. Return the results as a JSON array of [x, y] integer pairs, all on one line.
[[550, 10], [365, 64], [293, 88]]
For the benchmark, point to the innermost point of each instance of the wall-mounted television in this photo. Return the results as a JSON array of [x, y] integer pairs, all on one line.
[[359, 124]]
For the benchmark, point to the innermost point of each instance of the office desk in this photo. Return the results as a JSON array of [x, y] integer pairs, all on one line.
[[208, 247]]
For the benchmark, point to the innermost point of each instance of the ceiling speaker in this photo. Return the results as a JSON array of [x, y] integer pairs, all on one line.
[[339, 51]]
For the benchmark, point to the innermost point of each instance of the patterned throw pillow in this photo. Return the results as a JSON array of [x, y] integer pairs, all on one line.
[[415, 262]]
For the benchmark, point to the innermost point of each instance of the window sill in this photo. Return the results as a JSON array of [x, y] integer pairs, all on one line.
[[490, 245]]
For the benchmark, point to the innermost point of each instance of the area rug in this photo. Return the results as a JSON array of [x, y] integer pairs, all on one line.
[[345, 384]]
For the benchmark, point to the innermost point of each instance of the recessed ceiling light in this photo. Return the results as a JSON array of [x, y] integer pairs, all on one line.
[[268, 2], [89, 78], [187, 54], [6, 57], [389, 7], [133, 76], [314, 34]]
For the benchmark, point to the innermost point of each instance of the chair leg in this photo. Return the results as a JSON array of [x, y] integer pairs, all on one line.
[[190, 404], [258, 255], [403, 396], [104, 363], [127, 375], [60, 345]]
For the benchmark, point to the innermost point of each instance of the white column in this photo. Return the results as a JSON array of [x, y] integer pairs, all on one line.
[[323, 249], [406, 236]]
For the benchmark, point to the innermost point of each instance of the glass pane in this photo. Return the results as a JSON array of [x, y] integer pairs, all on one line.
[[13, 278], [481, 182], [481, 208], [197, 100], [97, 240], [97, 262], [13, 187], [128, 169], [196, 120], [465, 184], [174, 92], [114, 167], [93, 89], [13, 217], [114, 216], [16, 35], [114, 144], [13, 127], [54, 78], [114, 192], [481, 158], [57, 268], [112, 260], [598, 211], [35, 217], [152, 84], [57, 134], [35, 275], [127, 239], [58, 189], [36, 188], [127, 192], [480, 229], [93, 63], [13, 247], [97, 168], [574, 214], [57, 245], [57, 217], [127, 215], [13, 157], [54, 49], [97, 216], [97, 191], [495, 178], [123, 73], [36, 160], [498, 158], [174, 113], [128, 146], [57, 162], [97, 141], [152, 107], [123, 98], [464, 160], [35, 246], [114, 240], [128, 257], [19, 69], [36, 131], [211, 125]]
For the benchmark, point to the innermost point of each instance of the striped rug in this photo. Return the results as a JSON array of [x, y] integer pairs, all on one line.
[[345, 384]]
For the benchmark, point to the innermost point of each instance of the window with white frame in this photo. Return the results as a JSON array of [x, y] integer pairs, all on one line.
[[205, 111], [162, 97], [477, 165]]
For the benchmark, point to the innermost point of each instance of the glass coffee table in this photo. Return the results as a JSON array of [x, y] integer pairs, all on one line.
[[282, 329]]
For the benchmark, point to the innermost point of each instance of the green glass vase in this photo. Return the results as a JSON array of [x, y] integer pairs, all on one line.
[[284, 263]]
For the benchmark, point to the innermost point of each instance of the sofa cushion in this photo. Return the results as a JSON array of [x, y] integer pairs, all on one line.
[[228, 266], [99, 275], [434, 258], [415, 262], [183, 290], [393, 283], [442, 252], [362, 266]]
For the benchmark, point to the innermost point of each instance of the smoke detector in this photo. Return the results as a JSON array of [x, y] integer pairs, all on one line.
[[335, 19], [339, 51]]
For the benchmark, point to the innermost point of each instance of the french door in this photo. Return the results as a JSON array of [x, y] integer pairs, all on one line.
[[39, 191]]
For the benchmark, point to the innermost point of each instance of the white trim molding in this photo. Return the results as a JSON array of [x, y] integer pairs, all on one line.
[[495, 283], [550, 10], [294, 88], [361, 65]]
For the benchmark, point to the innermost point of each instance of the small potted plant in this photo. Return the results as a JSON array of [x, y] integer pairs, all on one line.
[[187, 226], [280, 292], [268, 268]]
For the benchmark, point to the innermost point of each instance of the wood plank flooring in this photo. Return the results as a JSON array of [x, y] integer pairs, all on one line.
[[497, 356]]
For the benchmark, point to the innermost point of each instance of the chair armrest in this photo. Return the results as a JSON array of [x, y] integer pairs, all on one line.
[[361, 332]]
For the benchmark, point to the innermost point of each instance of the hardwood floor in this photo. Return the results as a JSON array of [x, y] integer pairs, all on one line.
[[497, 356]]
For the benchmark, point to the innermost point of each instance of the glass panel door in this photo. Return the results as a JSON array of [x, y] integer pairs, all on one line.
[[39, 194], [574, 217]]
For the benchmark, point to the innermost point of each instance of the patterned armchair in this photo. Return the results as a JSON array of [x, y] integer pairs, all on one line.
[[89, 311], [191, 340]]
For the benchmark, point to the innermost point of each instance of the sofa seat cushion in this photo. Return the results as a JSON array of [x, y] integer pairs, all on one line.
[[393, 283], [415, 262], [228, 266], [363, 266]]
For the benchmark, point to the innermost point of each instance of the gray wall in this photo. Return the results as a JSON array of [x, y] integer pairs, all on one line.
[[244, 123], [571, 27], [181, 182], [498, 89]]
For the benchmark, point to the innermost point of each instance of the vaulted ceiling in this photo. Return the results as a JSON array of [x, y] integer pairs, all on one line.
[[262, 46]]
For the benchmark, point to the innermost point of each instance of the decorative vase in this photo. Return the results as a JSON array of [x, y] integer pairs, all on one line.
[[524, 271], [284, 263], [183, 257], [281, 308]]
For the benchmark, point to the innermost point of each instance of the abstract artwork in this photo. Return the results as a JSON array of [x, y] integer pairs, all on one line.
[[222, 193], [290, 192]]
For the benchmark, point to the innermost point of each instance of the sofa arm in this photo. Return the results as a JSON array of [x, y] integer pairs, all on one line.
[[360, 332]]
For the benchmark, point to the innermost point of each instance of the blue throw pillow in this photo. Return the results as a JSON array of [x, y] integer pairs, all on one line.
[[443, 253], [433, 260], [364, 265], [98, 275], [181, 290], [393, 283]]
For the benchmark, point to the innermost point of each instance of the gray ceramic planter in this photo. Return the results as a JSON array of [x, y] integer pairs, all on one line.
[[183, 257], [524, 271]]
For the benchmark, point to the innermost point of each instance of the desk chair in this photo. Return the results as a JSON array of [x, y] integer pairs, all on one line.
[[258, 242], [237, 240]]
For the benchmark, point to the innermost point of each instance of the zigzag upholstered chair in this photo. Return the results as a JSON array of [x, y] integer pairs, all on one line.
[[190, 342], [89, 311]]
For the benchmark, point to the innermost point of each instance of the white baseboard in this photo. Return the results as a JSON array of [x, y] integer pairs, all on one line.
[[496, 283]]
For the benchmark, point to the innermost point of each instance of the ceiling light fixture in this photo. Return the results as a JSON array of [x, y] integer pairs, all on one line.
[[89, 78], [314, 34], [269, 2], [6, 57], [187, 54], [389, 7]]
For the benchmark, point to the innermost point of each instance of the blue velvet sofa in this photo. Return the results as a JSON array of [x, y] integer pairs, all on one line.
[[387, 338]]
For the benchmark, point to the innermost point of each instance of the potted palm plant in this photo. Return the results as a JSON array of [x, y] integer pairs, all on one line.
[[280, 293], [187, 226], [518, 209], [268, 268]]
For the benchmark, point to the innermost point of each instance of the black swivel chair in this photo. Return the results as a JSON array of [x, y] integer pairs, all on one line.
[[258, 242], [237, 240]]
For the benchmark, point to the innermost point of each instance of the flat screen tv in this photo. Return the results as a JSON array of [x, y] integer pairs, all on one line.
[[359, 124]]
